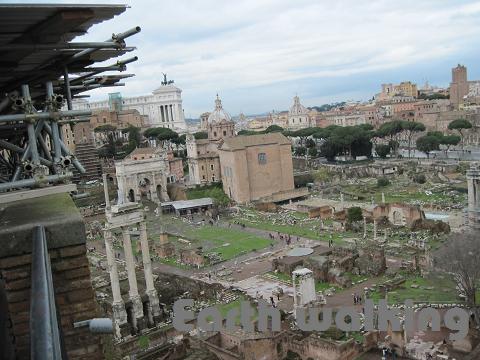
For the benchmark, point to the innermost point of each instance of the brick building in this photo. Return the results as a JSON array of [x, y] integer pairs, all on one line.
[[256, 166]]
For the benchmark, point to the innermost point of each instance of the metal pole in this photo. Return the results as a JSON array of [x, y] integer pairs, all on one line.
[[68, 93], [44, 115], [120, 65], [45, 340], [57, 151], [64, 46], [66, 152], [31, 182], [118, 37], [26, 153], [32, 139]]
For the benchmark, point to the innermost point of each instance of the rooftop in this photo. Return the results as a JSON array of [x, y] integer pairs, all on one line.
[[188, 204], [34, 42], [242, 142]]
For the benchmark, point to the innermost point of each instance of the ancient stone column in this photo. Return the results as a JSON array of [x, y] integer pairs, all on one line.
[[118, 307], [364, 227], [137, 314], [154, 304], [105, 191]]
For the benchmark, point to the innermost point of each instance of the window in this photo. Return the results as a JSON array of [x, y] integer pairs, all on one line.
[[262, 158], [224, 133], [211, 166], [214, 134], [202, 167]]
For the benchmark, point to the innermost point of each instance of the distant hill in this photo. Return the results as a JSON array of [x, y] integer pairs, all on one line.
[[192, 121], [327, 107]]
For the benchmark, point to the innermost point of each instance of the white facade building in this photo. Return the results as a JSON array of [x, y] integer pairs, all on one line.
[[298, 115], [163, 107]]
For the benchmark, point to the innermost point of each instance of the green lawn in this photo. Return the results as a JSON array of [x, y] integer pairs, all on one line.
[[214, 191], [227, 242], [319, 286], [301, 230], [430, 290]]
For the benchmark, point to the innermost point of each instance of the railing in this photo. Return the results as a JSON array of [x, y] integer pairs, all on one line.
[[45, 340]]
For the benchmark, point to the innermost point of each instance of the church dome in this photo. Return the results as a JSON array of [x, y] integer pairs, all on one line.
[[218, 115], [297, 108]]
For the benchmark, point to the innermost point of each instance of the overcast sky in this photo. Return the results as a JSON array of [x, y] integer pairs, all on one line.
[[258, 54]]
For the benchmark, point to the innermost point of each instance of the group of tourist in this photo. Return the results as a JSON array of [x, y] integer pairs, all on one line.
[[357, 299], [389, 353]]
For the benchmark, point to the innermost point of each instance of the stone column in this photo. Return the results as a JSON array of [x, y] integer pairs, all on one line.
[[137, 314], [154, 304], [364, 227], [383, 198], [374, 229], [118, 307], [166, 113], [171, 113], [105, 191]]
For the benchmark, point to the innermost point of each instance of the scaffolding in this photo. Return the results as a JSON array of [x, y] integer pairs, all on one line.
[[41, 72]]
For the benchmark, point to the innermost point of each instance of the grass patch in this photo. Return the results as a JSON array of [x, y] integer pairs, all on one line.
[[303, 228], [174, 262], [239, 243], [214, 191], [430, 290]]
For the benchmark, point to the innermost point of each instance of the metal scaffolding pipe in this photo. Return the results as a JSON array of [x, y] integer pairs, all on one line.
[[44, 327], [31, 182], [68, 93], [115, 37], [27, 151], [66, 152], [118, 66], [32, 141], [64, 46], [57, 152], [44, 115], [95, 86]]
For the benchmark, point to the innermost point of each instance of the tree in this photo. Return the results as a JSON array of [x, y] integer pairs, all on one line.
[[460, 257], [428, 143], [200, 135], [161, 133], [303, 134], [134, 138], [382, 150], [300, 151], [382, 182], [273, 128], [247, 132], [312, 152], [107, 128], [391, 130], [450, 140], [460, 125], [412, 127], [348, 140], [354, 214]]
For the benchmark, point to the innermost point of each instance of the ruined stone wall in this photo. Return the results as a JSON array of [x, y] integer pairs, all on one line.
[[73, 294]]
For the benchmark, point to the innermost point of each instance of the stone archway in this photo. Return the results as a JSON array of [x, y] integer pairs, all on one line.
[[131, 195], [144, 189], [159, 192], [397, 218]]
